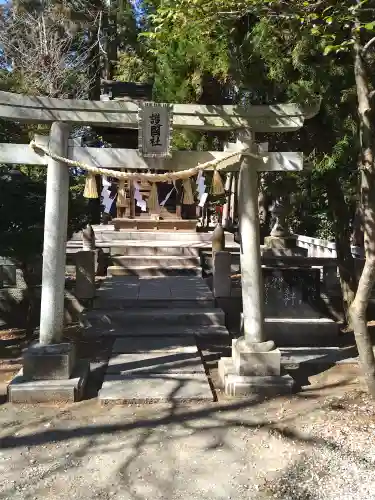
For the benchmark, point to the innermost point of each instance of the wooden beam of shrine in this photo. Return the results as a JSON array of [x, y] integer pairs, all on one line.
[[124, 114], [130, 159]]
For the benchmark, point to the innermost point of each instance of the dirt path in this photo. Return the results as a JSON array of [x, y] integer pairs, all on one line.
[[311, 446], [317, 445]]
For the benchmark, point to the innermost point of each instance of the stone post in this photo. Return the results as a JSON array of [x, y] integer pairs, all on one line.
[[222, 283], [218, 239], [88, 238], [85, 274], [55, 235]]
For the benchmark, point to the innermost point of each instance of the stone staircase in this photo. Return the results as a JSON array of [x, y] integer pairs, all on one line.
[[145, 254], [155, 323], [154, 260]]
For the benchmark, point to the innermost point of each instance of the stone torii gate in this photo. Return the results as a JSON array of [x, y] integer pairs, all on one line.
[[49, 367]]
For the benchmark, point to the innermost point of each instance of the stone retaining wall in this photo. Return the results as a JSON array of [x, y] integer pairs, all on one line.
[[14, 299]]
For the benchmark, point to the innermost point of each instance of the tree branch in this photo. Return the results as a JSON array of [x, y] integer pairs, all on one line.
[[368, 45], [99, 30]]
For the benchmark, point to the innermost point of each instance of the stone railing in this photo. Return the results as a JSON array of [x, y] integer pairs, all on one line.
[[317, 247], [223, 277]]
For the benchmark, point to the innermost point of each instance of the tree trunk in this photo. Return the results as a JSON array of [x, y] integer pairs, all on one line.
[[94, 68], [358, 310], [112, 41], [263, 211], [342, 216]]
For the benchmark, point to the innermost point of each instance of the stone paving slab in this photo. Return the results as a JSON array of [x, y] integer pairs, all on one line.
[[142, 317], [152, 303], [160, 362], [319, 355], [151, 388], [127, 288], [154, 344], [109, 330]]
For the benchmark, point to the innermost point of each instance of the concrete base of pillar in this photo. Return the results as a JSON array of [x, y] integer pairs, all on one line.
[[252, 386], [256, 360], [253, 370], [50, 374], [283, 246], [49, 362], [22, 390]]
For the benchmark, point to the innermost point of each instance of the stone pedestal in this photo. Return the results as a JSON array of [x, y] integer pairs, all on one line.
[[280, 246], [45, 362], [256, 360], [50, 373], [254, 370], [293, 308]]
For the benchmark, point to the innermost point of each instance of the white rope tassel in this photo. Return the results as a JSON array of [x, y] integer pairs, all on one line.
[[162, 204], [138, 197]]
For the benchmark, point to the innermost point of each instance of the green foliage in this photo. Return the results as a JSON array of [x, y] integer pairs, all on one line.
[[22, 202], [182, 62], [131, 67]]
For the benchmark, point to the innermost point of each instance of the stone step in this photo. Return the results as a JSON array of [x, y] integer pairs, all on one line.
[[121, 292], [151, 249], [162, 261], [155, 388], [152, 303], [105, 235], [302, 331], [155, 344], [155, 318], [120, 247], [152, 362], [157, 271], [95, 329]]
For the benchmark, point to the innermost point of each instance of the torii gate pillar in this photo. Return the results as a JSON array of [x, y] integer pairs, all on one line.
[[255, 365], [55, 234]]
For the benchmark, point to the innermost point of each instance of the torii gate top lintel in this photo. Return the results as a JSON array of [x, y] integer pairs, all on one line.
[[258, 118]]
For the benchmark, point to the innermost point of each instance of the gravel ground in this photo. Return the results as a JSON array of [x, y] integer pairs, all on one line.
[[313, 446]]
